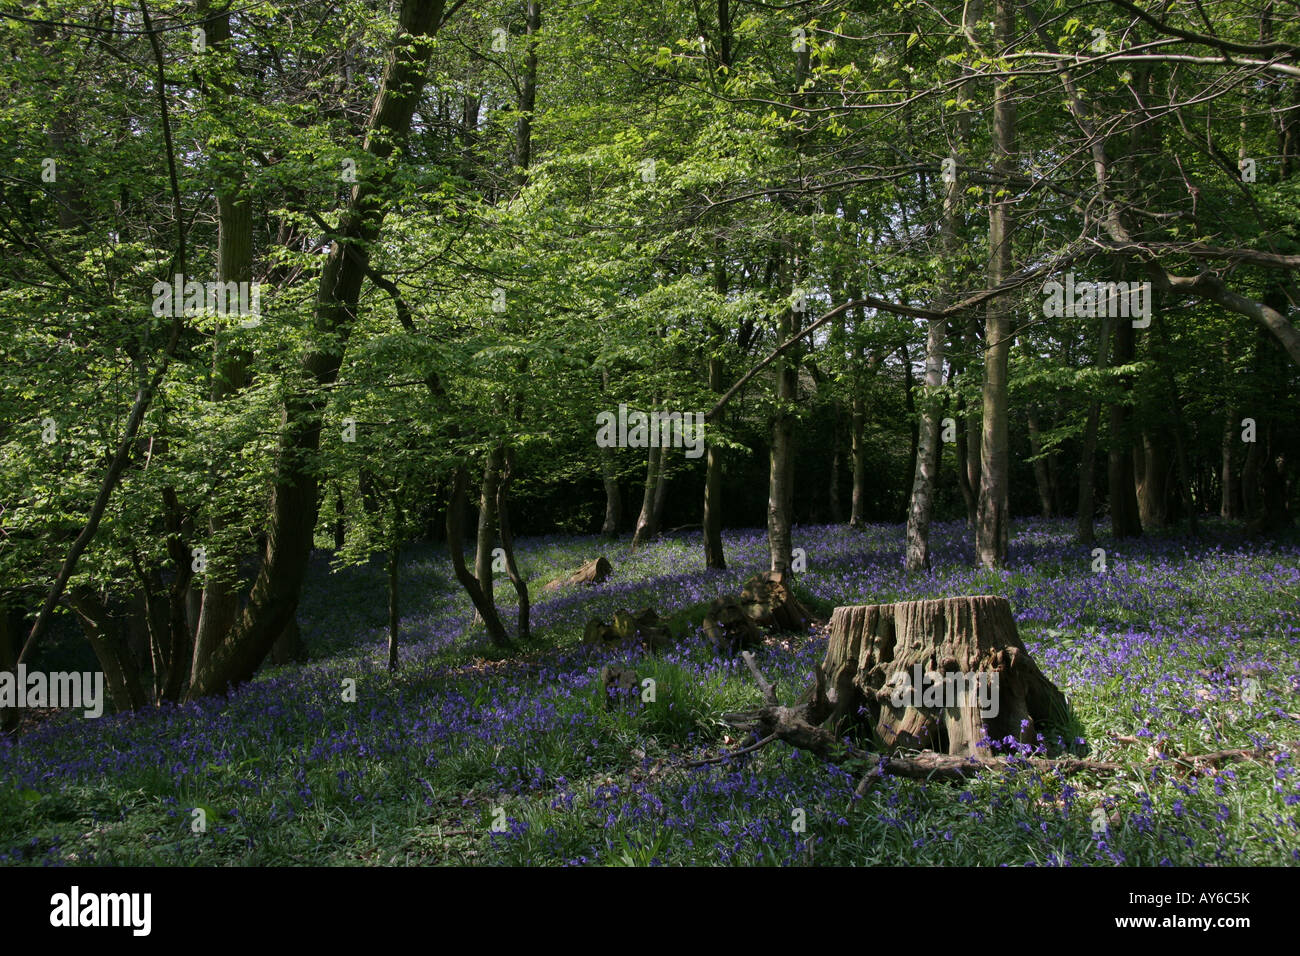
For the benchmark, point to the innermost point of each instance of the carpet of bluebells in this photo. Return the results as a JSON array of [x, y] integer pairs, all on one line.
[[474, 756]]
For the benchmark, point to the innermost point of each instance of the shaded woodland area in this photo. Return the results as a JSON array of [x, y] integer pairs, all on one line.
[[304, 292]]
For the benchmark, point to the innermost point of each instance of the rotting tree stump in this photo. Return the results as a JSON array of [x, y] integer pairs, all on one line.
[[644, 627], [592, 572], [946, 675], [729, 628], [769, 602]]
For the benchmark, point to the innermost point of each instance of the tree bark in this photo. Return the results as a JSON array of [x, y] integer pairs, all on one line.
[[10, 626], [973, 424], [1088, 451], [929, 448], [646, 525], [121, 671], [340, 529], [876, 654], [527, 93], [927, 452], [613, 499], [219, 601], [1124, 518], [1046, 506], [713, 552], [992, 529], [487, 611], [294, 499], [661, 489], [487, 522], [780, 488], [508, 543], [394, 615], [1230, 493], [1150, 471], [963, 422]]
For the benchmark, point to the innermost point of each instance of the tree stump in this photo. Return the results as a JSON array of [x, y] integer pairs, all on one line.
[[729, 629], [769, 602], [644, 627], [592, 572], [619, 684], [936, 675]]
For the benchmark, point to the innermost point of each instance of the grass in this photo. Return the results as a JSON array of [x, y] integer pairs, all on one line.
[[474, 755]]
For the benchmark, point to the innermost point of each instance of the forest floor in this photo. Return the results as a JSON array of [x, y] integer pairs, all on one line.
[[1181, 646]]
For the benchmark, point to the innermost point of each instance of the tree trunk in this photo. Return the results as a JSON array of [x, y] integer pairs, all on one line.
[[862, 365], [508, 543], [1041, 480], [1230, 493], [218, 604], [10, 627], [1088, 451], [834, 506], [973, 424], [613, 499], [927, 452], [487, 523], [1124, 517], [1267, 456], [294, 500], [858, 451], [661, 489], [713, 553], [646, 527], [394, 617], [992, 529], [487, 611], [909, 403], [963, 421], [780, 486], [179, 633], [929, 448], [1180, 432], [942, 675], [527, 93], [1251, 501], [288, 647], [1150, 470], [340, 530], [121, 672]]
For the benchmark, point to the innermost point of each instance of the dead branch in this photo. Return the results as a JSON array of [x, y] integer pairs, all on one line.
[[790, 724]]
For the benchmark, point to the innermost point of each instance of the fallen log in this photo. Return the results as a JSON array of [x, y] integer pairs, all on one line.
[[591, 572]]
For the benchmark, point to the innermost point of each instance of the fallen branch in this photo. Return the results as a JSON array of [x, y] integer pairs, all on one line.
[[730, 754], [790, 724], [953, 769]]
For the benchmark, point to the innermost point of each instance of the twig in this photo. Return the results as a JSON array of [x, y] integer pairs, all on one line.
[[769, 692], [730, 753]]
